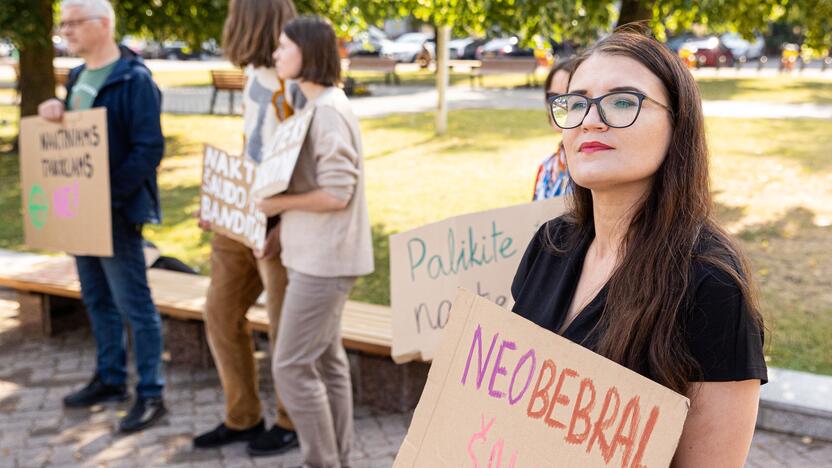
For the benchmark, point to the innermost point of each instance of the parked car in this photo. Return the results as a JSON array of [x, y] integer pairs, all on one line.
[[503, 47], [675, 43], [742, 48], [180, 50], [61, 47], [465, 49], [366, 43], [6, 48], [410, 47], [708, 52], [137, 45]]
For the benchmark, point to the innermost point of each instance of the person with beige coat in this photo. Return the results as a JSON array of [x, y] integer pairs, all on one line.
[[326, 245]]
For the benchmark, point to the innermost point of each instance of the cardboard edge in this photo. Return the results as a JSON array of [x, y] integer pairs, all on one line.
[[437, 378]]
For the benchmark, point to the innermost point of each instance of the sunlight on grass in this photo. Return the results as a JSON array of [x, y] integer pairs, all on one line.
[[771, 166]]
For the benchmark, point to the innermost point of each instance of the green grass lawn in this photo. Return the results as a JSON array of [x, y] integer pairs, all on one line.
[[782, 89], [771, 179]]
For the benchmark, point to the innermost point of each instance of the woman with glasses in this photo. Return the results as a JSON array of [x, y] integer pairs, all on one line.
[[638, 270], [552, 174]]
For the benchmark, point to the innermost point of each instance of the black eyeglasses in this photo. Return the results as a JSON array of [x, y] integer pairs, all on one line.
[[617, 110], [76, 22]]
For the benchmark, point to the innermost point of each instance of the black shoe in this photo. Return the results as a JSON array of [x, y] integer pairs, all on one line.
[[96, 392], [145, 411], [222, 435], [273, 442]]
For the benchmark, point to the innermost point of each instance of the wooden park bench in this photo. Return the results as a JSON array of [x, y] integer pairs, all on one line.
[[49, 292], [375, 64], [505, 66], [226, 80]]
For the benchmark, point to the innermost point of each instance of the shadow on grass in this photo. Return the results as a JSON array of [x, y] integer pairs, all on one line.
[[727, 214], [11, 227], [513, 124], [787, 91], [375, 288], [791, 260]]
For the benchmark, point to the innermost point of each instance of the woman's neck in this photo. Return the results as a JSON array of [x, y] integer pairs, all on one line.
[[612, 213], [311, 90]]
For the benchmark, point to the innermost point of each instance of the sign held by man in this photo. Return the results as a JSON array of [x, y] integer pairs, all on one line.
[[65, 183]]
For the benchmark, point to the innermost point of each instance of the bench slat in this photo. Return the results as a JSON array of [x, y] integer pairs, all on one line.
[[364, 327]]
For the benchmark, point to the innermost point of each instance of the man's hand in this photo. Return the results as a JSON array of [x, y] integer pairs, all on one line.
[[52, 110]]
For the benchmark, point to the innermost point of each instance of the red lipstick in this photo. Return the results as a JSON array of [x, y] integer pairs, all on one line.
[[593, 147]]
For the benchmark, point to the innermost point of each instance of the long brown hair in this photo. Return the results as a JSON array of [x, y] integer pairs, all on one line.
[[648, 293], [252, 30]]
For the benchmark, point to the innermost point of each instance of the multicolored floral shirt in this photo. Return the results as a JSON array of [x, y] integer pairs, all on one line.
[[552, 177]]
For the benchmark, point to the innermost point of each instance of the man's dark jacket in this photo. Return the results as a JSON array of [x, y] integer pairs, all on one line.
[[134, 132]]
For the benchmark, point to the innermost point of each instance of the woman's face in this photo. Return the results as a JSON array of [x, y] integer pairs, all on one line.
[[558, 86], [287, 58], [601, 157]]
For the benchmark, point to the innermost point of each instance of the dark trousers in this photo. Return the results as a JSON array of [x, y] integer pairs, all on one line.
[[115, 290]]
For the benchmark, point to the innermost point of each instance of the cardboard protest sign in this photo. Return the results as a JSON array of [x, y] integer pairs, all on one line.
[[478, 251], [279, 159], [225, 197], [65, 183], [503, 392]]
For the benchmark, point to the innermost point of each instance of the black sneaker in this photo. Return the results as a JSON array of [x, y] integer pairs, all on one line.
[[145, 411], [222, 435], [96, 392], [273, 442]]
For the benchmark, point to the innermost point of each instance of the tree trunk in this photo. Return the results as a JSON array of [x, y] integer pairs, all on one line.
[[633, 11], [443, 36], [37, 76]]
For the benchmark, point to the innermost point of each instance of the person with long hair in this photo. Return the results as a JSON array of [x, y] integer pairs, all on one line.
[[327, 244], [552, 175], [239, 274], [638, 270]]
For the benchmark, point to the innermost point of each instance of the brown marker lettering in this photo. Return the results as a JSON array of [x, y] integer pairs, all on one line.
[[582, 413], [559, 398], [542, 393], [602, 424]]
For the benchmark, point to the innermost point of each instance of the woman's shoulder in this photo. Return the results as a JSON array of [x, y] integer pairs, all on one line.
[[723, 330], [332, 109], [547, 245], [558, 233]]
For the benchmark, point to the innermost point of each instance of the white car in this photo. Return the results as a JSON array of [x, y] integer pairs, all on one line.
[[408, 47], [742, 48], [6, 48]]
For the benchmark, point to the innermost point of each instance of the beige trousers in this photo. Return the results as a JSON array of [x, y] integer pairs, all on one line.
[[311, 369], [237, 279]]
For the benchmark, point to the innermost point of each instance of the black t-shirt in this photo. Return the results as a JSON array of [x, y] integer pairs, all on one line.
[[721, 336]]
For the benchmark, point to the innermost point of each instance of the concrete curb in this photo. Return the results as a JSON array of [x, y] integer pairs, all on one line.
[[797, 403]]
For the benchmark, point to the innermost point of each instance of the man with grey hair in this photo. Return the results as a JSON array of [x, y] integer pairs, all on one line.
[[115, 289]]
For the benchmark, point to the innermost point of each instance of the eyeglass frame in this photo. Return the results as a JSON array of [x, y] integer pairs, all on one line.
[[550, 97], [74, 23]]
